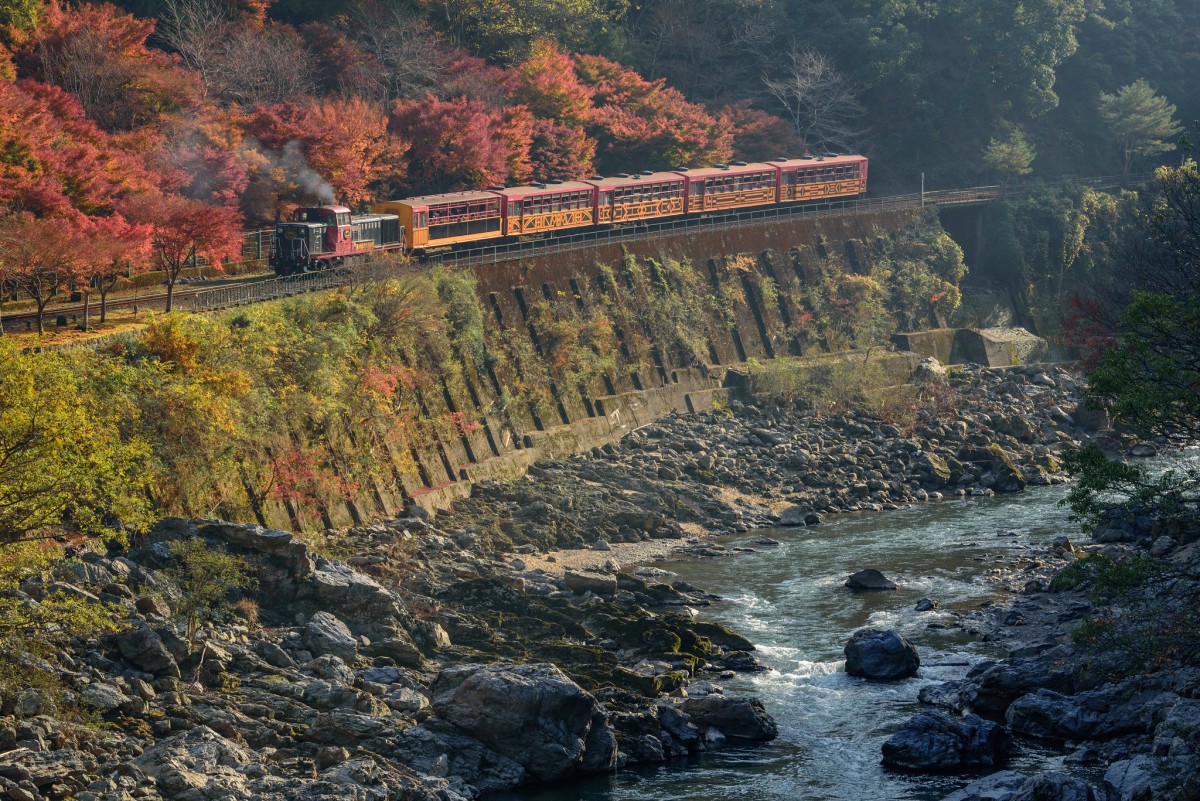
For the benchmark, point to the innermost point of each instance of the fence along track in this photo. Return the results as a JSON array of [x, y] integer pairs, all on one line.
[[270, 289], [277, 288]]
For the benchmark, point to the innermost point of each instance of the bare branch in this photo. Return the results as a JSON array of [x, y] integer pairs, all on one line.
[[820, 101]]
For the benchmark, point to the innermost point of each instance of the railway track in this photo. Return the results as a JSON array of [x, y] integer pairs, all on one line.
[[238, 293]]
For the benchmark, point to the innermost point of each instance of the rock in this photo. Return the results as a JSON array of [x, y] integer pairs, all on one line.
[[142, 647], [926, 605], [104, 697], [598, 583], [285, 546], [33, 702], [1144, 450], [737, 716], [401, 649], [869, 579], [1179, 732], [326, 634], [795, 515], [881, 656], [1148, 778], [531, 714], [1162, 547], [152, 605], [1054, 786], [995, 787], [1091, 419], [935, 741], [1110, 711], [929, 369], [355, 596], [198, 764]]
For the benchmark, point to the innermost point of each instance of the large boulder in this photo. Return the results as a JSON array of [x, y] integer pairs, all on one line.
[[144, 649], [531, 714], [870, 579], [881, 656], [587, 581], [934, 741], [1106, 712], [1008, 785], [1145, 777], [289, 549], [355, 596], [326, 634], [738, 716]]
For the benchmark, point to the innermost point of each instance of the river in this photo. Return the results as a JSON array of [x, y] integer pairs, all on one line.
[[790, 600]]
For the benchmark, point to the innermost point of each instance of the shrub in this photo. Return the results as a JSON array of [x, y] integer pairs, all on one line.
[[207, 579]]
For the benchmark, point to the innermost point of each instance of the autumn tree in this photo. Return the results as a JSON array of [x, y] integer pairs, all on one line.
[[329, 149], [116, 249], [456, 144], [41, 257], [642, 124], [59, 161], [66, 466], [1011, 156], [182, 229], [758, 135], [99, 55], [1142, 121]]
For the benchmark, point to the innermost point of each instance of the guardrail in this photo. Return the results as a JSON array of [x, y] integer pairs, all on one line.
[[271, 289]]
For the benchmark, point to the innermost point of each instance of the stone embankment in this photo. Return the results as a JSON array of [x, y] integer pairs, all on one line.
[[440, 659]]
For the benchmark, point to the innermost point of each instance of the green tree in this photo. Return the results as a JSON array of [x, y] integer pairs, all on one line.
[[1011, 156], [209, 581], [1142, 122], [1150, 376], [63, 462]]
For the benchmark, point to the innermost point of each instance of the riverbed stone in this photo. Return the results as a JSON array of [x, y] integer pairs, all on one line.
[[531, 714], [738, 716], [936, 742], [870, 579], [881, 656]]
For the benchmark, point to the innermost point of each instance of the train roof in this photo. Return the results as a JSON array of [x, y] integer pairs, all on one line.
[[631, 180], [731, 169], [812, 161], [543, 189], [443, 199]]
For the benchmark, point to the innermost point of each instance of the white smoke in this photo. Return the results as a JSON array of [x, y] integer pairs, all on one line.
[[296, 170], [299, 172]]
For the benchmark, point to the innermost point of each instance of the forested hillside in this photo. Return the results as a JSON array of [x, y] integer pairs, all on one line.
[[254, 105]]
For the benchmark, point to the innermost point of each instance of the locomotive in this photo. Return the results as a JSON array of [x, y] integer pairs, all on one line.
[[322, 236], [329, 234]]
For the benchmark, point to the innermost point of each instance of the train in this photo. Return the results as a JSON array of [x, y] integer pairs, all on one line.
[[322, 236]]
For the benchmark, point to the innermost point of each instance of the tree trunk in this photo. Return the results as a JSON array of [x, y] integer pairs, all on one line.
[[41, 307], [170, 294], [87, 310], [103, 303]]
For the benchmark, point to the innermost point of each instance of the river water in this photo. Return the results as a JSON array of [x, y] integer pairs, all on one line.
[[790, 600]]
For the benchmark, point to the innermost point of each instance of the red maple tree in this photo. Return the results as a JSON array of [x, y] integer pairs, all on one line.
[[42, 257], [182, 229]]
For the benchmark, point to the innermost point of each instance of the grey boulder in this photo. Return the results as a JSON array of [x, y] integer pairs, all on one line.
[[936, 742], [881, 656]]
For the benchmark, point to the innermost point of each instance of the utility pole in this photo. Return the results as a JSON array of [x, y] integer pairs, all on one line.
[[922, 189]]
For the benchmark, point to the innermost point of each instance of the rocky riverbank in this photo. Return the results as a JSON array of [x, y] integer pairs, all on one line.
[[1101, 667], [422, 659]]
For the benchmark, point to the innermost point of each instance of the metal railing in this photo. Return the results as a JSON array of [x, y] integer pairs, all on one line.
[[271, 289]]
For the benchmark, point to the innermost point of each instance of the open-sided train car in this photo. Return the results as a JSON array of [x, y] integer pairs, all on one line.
[[645, 196], [432, 222]]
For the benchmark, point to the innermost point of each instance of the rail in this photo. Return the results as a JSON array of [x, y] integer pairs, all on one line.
[[276, 288]]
